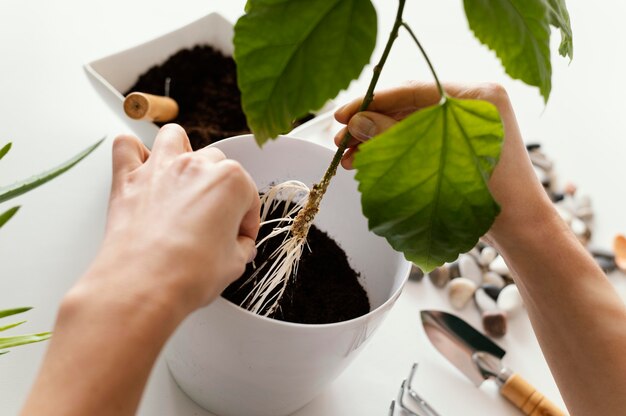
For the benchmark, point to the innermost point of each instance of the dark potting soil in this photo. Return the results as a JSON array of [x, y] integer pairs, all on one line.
[[325, 290], [203, 82]]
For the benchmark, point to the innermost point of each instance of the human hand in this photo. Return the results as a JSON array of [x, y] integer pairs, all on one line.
[[183, 222], [513, 183]]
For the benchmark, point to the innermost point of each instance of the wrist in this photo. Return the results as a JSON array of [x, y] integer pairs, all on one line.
[[536, 222], [119, 287]]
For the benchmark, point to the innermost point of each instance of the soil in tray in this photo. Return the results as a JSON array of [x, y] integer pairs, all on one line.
[[325, 290], [203, 82]]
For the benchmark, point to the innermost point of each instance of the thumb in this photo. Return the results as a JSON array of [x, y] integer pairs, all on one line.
[[367, 124], [248, 247], [128, 154]]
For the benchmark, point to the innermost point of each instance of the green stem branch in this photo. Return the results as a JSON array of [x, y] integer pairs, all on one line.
[[305, 217], [425, 55]]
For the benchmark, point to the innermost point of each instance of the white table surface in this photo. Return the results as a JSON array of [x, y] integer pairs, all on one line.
[[49, 109]]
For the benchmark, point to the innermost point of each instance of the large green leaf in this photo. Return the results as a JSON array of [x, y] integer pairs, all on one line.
[[7, 215], [293, 55], [519, 33], [8, 342], [21, 187], [559, 18], [423, 182]]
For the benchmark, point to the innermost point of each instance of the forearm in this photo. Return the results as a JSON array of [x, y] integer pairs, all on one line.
[[578, 318], [104, 345]]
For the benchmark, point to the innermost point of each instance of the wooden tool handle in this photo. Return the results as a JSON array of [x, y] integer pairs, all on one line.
[[523, 395], [142, 106]]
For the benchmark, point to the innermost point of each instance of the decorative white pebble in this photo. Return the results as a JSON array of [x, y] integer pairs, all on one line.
[[484, 301], [460, 291], [499, 266], [470, 269], [510, 300], [493, 278], [487, 256], [578, 227]]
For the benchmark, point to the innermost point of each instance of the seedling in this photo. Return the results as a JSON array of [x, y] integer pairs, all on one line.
[[423, 182]]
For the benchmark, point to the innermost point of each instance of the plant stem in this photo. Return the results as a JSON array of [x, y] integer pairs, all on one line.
[[305, 217], [430, 65]]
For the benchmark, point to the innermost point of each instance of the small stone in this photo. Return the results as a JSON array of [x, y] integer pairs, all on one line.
[[580, 229], [474, 252], [487, 256], [469, 268], [484, 301], [461, 291], [543, 176], [564, 214], [493, 279], [533, 147], [454, 269], [584, 213], [494, 323], [619, 248], [570, 188], [557, 196], [499, 266], [540, 160], [510, 300], [416, 273], [583, 201], [607, 264], [440, 276], [492, 291]]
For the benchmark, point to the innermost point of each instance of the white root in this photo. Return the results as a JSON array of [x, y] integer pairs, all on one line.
[[270, 278]]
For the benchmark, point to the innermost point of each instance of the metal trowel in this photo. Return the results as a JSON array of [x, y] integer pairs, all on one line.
[[479, 359]]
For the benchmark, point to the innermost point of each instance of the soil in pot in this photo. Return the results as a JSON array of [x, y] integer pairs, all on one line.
[[325, 289], [203, 82]]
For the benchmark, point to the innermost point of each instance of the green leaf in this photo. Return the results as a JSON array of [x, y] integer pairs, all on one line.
[[7, 215], [4, 328], [293, 55], [423, 182], [21, 187], [559, 18], [519, 33], [5, 150], [8, 342], [9, 312]]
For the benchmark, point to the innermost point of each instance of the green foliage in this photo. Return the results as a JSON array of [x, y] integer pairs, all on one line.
[[7, 215], [559, 18], [423, 182], [11, 191], [293, 55], [17, 340], [519, 33], [5, 149], [23, 186]]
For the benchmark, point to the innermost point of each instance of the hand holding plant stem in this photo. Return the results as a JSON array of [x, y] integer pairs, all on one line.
[[424, 182]]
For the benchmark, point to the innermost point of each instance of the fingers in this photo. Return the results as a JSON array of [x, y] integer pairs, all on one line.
[[211, 154], [403, 99], [248, 247], [348, 158], [170, 142], [128, 154]]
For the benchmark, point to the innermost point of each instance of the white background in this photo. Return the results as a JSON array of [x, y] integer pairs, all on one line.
[[50, 111]]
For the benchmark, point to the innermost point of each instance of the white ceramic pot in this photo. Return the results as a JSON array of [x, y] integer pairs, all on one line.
[[235, 363]]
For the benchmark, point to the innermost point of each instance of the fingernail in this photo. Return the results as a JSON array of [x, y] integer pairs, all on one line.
[[362, 126], [252, 256]]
